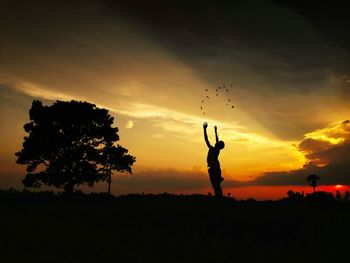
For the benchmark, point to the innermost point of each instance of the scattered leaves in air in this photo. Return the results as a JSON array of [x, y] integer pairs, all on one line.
[[217, 92]]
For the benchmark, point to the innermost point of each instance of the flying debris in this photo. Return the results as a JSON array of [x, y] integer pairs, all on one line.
[[214, 99]]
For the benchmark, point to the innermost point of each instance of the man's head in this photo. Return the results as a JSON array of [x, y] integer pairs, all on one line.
[[220, 145]]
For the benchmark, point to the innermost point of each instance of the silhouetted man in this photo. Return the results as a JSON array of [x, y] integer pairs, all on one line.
[[213, 161]]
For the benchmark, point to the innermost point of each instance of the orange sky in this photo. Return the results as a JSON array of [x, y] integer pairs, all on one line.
[[154, 90]]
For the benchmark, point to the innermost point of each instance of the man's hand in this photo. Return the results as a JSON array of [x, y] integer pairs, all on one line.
[[205, 125], [215, 128]]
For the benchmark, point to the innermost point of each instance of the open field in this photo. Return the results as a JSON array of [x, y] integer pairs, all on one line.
[[167, 228]]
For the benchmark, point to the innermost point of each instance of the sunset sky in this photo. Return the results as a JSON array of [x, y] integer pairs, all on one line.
[[149, 63]]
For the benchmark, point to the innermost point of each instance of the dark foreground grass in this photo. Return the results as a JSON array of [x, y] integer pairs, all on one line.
[[172, 229]]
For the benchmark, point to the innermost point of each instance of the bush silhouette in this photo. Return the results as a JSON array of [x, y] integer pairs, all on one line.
[[71, 143]]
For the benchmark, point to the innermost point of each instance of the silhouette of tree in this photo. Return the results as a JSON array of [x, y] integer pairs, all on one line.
[[337, 195], [116, 158], [312, 179], [290, 194], [71, 143], [294, 196]]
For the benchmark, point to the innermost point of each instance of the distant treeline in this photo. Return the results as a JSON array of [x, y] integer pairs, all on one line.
[[292, 197]]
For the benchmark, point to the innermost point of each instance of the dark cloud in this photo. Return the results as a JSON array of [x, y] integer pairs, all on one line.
[[330, 161], [269, 49], [149, 181], [310, 145], [331, 174], [322, 151], [329, 17], [335, 154], [344, 85], [167, 180], [291, 36]]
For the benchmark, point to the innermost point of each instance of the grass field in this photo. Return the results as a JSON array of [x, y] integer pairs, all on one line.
[[167, 228]]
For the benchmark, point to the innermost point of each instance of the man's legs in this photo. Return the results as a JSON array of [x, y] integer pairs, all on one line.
[[216, 179]]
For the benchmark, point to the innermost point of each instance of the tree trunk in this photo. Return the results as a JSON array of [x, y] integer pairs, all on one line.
[[69, 188], [109, 180], [109, 184]]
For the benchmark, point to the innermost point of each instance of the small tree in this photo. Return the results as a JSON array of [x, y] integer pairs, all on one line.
[[312, 179], [67, 143], [116, 158]]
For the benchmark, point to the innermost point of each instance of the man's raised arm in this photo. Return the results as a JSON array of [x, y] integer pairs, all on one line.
[[216, 134], [205, 126]]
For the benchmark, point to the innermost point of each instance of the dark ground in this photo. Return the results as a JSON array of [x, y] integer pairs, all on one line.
[[165, 228]]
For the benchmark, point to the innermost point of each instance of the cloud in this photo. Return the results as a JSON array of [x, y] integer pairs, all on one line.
[[327, 145], [327, 152], [174, 122], [275, 55], [167, 180], [125, 58], [331, 174], [310, 145], [346, 79], [111, 50], [335, 154], [158, 136]]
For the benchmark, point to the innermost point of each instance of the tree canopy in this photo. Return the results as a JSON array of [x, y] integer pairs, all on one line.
[[312, 179], [69, 144]]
